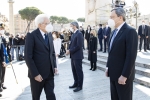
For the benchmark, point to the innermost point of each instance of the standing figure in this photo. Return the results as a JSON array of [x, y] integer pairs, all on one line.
[[121, 57], [87, 34], [143, 36], [106, 35], [100, 37], [57, 46], [76, 55], [40, 58], [83, 32], [92, 50]]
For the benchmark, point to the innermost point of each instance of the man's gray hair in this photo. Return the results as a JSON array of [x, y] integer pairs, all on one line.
[[40, 19], [75, 24], [120, 12]]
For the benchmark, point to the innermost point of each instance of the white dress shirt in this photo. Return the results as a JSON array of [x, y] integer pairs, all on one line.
[[42, 33], [118, 29]]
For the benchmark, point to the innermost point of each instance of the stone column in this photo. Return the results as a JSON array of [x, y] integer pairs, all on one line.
[[11, 17]]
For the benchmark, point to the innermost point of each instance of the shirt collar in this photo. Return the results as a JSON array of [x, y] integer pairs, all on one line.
[[75, 31], [120, 26], [42, 33]]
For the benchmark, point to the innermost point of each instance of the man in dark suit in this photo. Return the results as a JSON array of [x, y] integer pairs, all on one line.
[[100, 37], [122, 56], [148, 40], [76, 55], [2, 62], [143, 35], [87, 34], [83, 32], [3, 43], [106, 35], [40, 59]]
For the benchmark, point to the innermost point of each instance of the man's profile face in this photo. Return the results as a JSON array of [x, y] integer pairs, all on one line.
[[42, 26]]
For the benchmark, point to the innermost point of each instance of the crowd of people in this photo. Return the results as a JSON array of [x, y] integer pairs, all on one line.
[[42, 48]]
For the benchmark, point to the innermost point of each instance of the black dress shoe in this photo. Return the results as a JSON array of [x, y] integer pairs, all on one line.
[[90, 69], [0, 95], [139, 50], [77, 89], [104, 52], [73, 86], [93, 69], [145, 51], [4, 87]]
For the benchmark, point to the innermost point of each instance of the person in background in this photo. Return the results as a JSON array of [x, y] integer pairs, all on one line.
[[106, 35], [22, 43], [143, 36], [148, 40], [57, 46], [100, 37], [92, 50], [2, 61], [83, 32], [87, 34]]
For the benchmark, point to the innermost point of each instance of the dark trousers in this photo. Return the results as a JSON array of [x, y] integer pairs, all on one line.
[[1, 73], [121, 92], [93, 65], [2, 76], [105, 44], [101, 44], [87, 43], [76, 65], [148, 43], [143, 38], [37, 87]]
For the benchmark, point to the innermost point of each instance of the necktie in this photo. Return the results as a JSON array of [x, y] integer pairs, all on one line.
[[143, 29], [46, 38], [113, 37]]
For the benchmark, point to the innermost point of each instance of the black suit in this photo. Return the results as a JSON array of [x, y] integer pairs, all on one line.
[[76, 55], [121, 61], [87, 36], [148, 40], [2, 69], [106, 32], [143, 33], [40, 59], [100, 37], [83, 32]]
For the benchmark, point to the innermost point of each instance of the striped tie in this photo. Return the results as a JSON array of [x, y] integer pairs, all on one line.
[[113, 37]]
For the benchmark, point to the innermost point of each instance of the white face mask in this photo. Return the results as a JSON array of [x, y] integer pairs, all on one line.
[[111, 23], [71, 29], [49, 28], [54, 36], [2, 32]]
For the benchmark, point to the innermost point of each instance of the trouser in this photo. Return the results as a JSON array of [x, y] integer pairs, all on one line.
[[12, 52], [148, 43], [105, 44], [1, 73], [93, 65], [2, 76], [121, 92], [37, 87], [76, 65], [21, 50], [143, 38], [100, 43]]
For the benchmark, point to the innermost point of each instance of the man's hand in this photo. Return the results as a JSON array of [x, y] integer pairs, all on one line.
[[56, 70], [4, 64], [139, 37], [38, 78], [146, 36], [94, 52], [105, 37], [106, 72], [67, 52], [122, 80]]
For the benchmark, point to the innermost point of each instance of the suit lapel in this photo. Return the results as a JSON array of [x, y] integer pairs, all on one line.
[[50, 42], [39, 35], [118, 35]]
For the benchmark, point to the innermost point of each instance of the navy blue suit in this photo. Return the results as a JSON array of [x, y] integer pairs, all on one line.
[[76, 55], [106, 32], [100, 37]]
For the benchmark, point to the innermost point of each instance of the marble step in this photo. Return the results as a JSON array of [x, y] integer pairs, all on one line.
[[140, 79], [136, 63], [139, 70]]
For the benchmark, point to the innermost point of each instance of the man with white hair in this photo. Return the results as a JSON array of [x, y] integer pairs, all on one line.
[[40, 58]]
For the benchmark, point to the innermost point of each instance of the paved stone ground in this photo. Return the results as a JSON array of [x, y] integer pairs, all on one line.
[[96, 85]]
